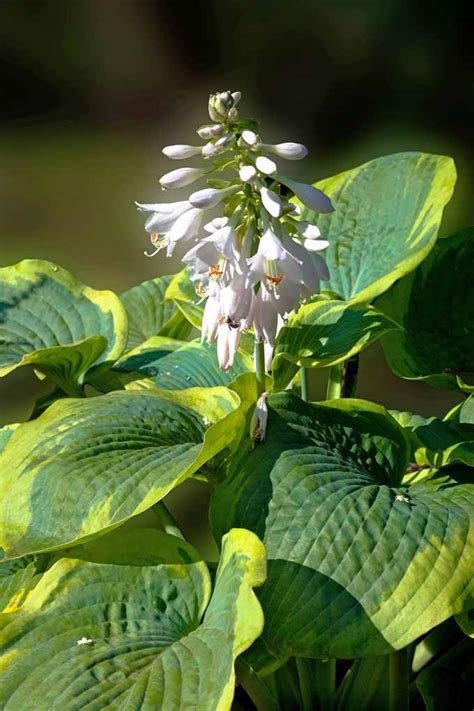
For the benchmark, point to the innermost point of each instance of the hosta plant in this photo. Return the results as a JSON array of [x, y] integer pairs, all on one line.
[[345, 530]]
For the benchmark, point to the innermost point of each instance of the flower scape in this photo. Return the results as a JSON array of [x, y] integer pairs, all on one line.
[[257, 259]]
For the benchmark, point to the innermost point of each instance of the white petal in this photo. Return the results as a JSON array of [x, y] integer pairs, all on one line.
[[290, 151], [236, 95], [181, 177], [180, 151], [186, 226], [209, 150], [270, 246], [316, 245], [163, 207], [250, 137], [216, 224], [204, 199], [271, 202], [309, 231], [266, 166], [247, 173]]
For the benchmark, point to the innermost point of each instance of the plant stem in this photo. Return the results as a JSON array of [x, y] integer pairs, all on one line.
[[398, 681], [334, 382], [304, 383], [349, 377], [166, 519], [304, 676], [256, 689], [259, 354], [325, 674]]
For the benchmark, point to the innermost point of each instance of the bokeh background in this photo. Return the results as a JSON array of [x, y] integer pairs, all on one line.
[[90, 91]]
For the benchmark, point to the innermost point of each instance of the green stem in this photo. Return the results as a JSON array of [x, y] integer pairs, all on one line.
[[166, 519], [304, 676], [255, 688], [325, 673], [335, 382], [304, 383], [349, 376], [260, 366], [398, 681]]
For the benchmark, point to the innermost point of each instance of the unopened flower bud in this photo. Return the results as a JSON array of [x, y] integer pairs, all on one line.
[[247, 173], [219, 105], [225, 140], [266, 166], [250, 137], [271, 202], [181, 177], [236, 95], [310, 196], [258, 423], [181, 151], [290, 151], [210, 197], [207, 132], [209, 150]]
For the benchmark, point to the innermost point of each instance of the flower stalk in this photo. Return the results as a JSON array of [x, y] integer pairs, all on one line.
[[256, 260]]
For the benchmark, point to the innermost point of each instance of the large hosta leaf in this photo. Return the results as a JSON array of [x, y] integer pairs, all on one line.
[[190, 365], [151, 314], [435, 306], [50, 320], [87, 465], [325, 332], [142, 644], [386, 218], [358, 565]]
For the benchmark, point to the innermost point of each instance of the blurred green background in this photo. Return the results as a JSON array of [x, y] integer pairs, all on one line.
[[91, 90]]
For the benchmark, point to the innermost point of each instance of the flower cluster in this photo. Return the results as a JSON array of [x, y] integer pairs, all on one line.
[[257, 259]]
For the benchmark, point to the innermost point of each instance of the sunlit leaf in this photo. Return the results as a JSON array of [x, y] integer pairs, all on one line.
[[386, 219], [51, 321], [359, 565]]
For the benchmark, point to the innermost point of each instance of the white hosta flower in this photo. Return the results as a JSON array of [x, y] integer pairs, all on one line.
[[273, 262], [210, 197], [309, 195], [236, 95], [247, 173], [250, 137], [181, 177], [258, 423], [310, 234], [181, 151], [185, 228], [290, 151], [163, 214], [271, 202], [219, 252], [228, 339], [266, 166]]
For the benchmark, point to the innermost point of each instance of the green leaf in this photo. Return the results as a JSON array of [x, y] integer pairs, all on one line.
[[435, 306], [181, 290], [17, 578], [51, 321], [150, 313], [5, 434], [448, 682], [466, 622], [387, 215], [191, 365], [134, 546], [358, 565], [144, 647], [322, 333], [85, 466], [436, 442]]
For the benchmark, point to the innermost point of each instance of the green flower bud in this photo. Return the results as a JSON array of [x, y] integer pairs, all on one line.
[[220, 105]]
